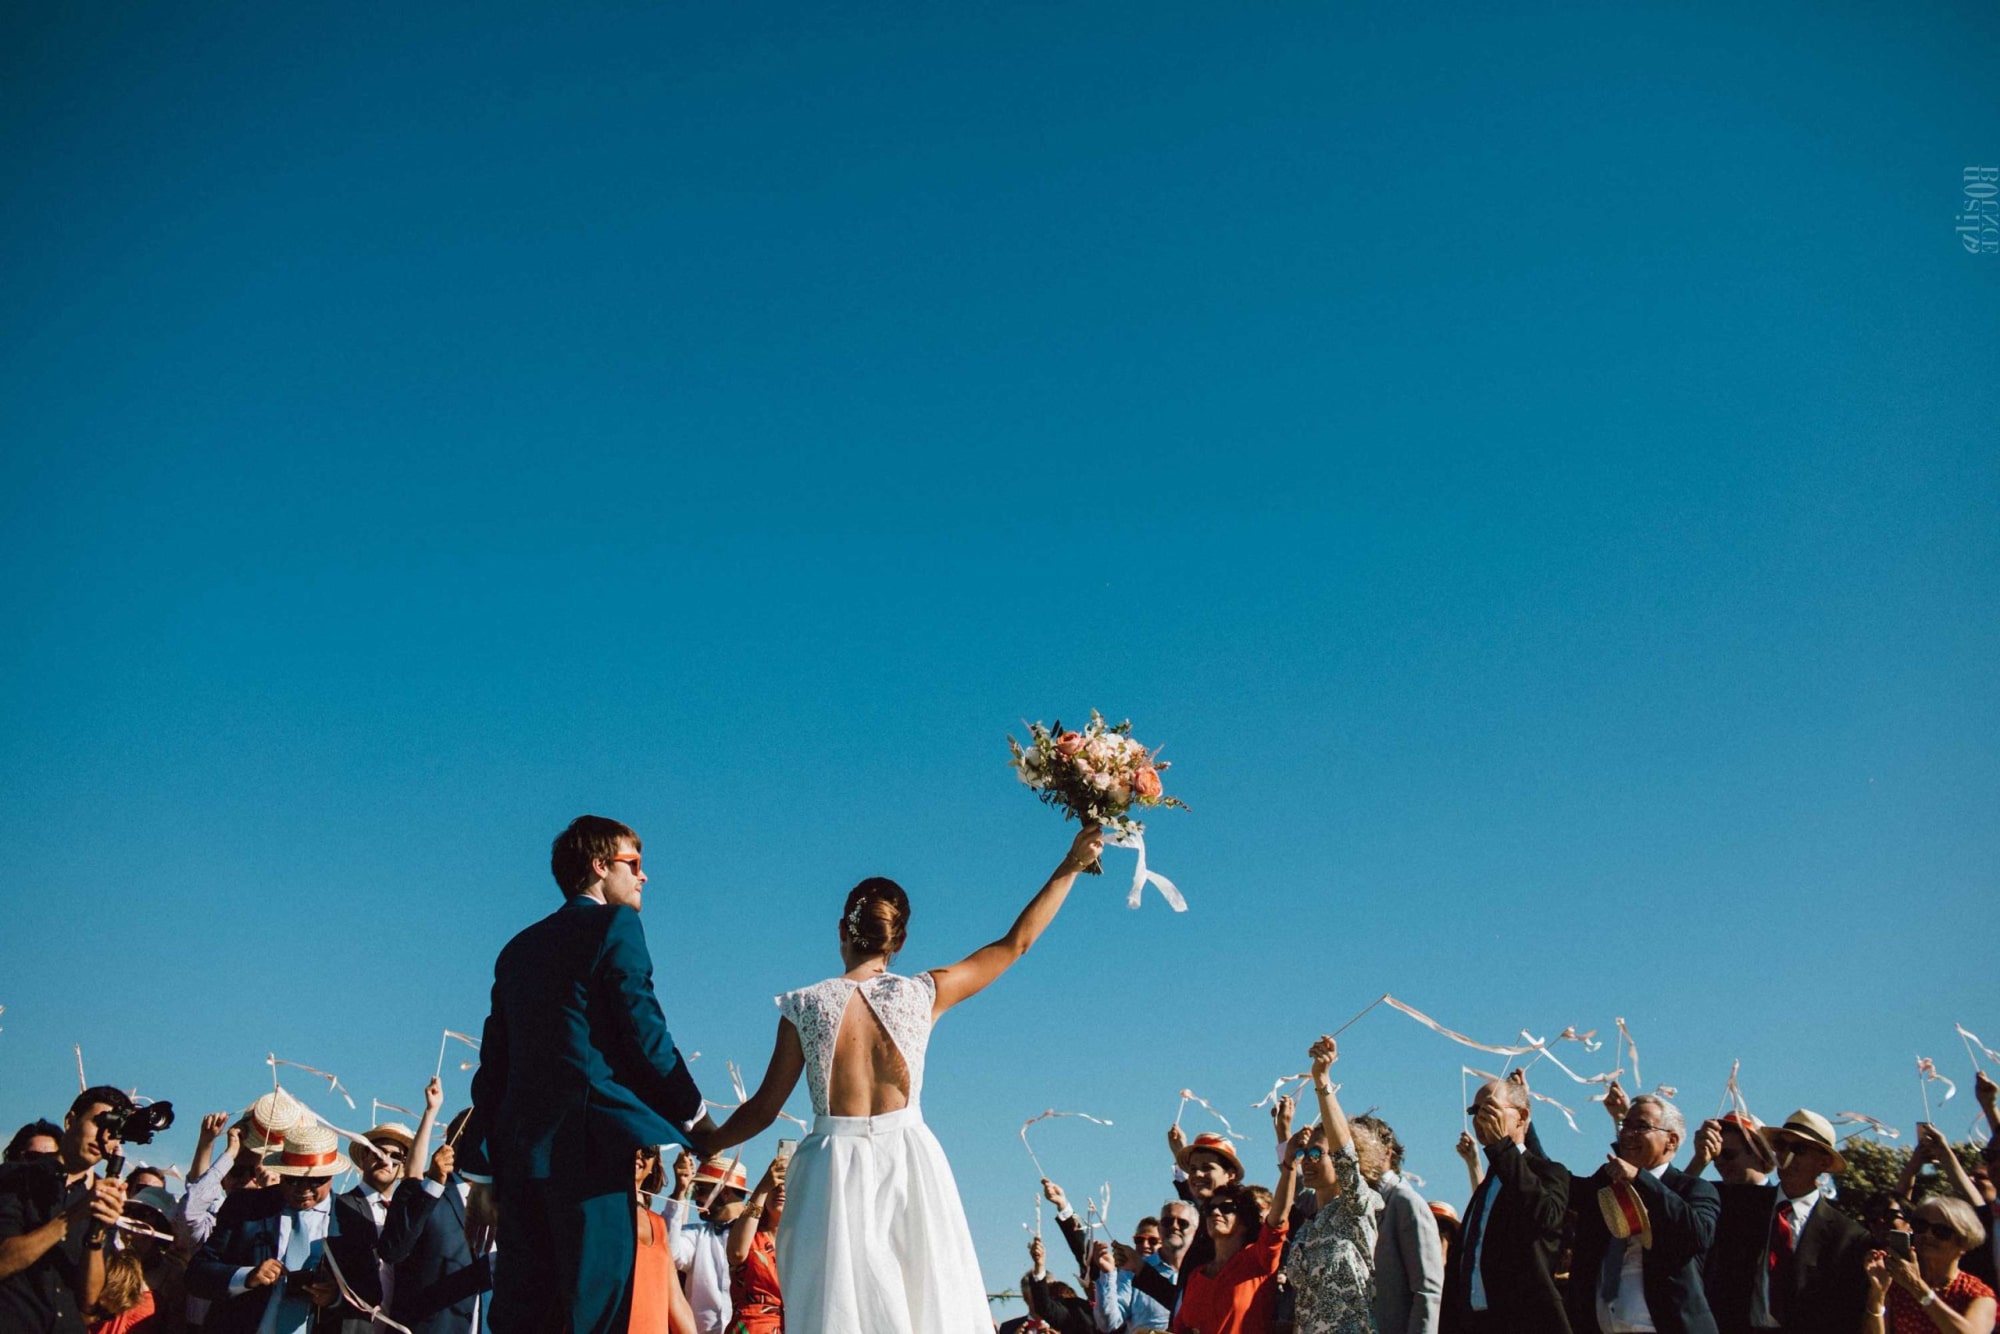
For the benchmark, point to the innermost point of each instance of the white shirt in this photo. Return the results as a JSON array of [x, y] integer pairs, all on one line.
[[701, 1252], [1627, 1313], [1476, 1292], [1801, 1212]]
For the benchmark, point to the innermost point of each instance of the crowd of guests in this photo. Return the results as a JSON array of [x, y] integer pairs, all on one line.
[[1344, 1243], [260, 1243]]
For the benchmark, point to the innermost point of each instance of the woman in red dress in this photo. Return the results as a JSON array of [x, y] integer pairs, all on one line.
[[658, 1305], [757, 1306]]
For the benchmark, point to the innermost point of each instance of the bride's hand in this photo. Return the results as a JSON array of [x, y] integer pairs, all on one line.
[[1086, 848]]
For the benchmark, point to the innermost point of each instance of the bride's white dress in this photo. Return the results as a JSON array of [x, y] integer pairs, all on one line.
[[874, 1239]]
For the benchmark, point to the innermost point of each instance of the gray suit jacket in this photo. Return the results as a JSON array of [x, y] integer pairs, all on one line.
[[1409, 1262]]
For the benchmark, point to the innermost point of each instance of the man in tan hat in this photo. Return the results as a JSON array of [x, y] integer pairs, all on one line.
[[360, 1213], [706, 1201], [1784, 1258], [264, 1265]]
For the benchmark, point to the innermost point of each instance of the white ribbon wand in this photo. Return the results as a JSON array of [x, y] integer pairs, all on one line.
[[1637, 1079], [449, 1034], [333, 1082], [1051, 1112], [1971, 1040], [1141, 877], [1865, 1123], [1927, 1073], [743, 1096], [377, 1106], [80, 1084], [1269, 1099], [1188, 1096]]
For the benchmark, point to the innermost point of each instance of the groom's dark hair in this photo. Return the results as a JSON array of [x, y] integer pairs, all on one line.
[[589, 838]]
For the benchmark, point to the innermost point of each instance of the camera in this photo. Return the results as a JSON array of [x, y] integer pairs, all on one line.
[[137, 1125]]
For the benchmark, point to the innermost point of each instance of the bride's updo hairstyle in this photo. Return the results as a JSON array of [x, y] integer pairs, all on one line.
[[877, 920]]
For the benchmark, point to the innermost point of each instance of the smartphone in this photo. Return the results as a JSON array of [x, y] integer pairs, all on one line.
[[1899, 1245], [785, 1148], [297, 1280]]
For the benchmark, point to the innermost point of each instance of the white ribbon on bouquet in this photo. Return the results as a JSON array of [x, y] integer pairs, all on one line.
[[1141, 877]]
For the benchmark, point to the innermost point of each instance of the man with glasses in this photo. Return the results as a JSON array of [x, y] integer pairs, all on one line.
[[1117, 1304], [577, 1071], [263, 1268], [1500, 1278], [1642, 1230], [51, 1267], [360, 1213], [1784, 1258]]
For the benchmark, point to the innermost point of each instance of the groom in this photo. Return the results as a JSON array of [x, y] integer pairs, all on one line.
[[577, 1070]]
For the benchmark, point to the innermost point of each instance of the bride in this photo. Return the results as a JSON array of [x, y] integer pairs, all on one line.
[[875, 1240]]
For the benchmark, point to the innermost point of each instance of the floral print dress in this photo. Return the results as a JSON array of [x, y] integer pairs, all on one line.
[[1332, 1262]]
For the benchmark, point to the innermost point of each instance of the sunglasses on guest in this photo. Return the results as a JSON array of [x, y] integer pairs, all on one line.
[[1221, 1207], [1924, 1227]]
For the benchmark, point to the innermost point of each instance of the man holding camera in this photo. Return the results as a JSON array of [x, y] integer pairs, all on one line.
[[53, 1216], [263, 1266]]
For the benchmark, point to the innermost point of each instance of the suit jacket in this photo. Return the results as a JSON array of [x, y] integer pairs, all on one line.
[[437, 1276], [1683, 1210], [1409, 1263], [245, 1235], [1829, 1290], [1978, 1261], [576, 1064], [353, 1246], [1518, 1254]]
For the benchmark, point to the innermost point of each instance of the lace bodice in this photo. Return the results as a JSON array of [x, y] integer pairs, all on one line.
[[902, 1005]]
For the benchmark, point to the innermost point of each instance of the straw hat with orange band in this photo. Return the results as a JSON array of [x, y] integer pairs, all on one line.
[[309, 1151]]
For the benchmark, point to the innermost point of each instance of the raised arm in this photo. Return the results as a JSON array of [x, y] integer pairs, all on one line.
[[788, 1059], [420, 1147], [743, 1231], [1339, 1136], [978, 970]]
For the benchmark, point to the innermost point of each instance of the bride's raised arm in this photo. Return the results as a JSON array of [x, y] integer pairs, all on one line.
[[977, 970], [754, 1117]]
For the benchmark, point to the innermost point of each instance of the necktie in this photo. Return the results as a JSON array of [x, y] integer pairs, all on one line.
[[295, 1311], [1475, 1224], [1779, 1265]]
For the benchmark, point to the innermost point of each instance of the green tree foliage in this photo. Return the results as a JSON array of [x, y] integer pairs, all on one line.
[[1873, 1169]]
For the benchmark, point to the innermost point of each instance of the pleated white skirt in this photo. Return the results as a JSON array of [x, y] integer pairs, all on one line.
[[874, 1239]]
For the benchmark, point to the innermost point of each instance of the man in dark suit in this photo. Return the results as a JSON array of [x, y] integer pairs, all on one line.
[[269, 1245], [1644, 1273], [577, 1070], [1784, 1258], [358, 1217], [1500, 1279], [440, 1265]]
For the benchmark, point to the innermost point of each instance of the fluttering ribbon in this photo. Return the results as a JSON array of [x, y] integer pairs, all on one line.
[[333, 1081], [1568, 1115], [1141, 877], [1098, 1215], [1927, 1074], [377, 1107], [1188, 1096], [449, 1034], [1270, 1099], [743, 1096], [81, 1085], [1044, 1116], [1589, 1040], [347, 1294], [1862, 1124], [1626, 1033], [1971, 1040]]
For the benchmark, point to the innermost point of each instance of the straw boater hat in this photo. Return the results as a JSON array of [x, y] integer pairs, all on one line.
[[310, 1151], [730, 1175], [1624, 1213], [265, 1124], [1809, 1128], [1215, 1144], [391, 1132]]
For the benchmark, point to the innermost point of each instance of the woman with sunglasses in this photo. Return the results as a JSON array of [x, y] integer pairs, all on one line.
[[1930, 1293], [1332, 1263], [1236, 1291]]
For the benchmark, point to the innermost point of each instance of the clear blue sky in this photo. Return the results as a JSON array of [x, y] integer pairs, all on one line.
[[1534, 470]]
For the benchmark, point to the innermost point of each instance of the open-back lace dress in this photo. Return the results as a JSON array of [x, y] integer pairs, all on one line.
[[874, 1239]]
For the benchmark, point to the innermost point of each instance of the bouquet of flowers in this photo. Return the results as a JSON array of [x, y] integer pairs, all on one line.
[[1098, 774]]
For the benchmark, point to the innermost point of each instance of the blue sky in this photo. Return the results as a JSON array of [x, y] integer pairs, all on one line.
[[1534, 470]]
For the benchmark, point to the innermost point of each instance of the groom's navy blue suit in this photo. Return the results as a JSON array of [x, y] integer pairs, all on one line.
[[576, 1071]]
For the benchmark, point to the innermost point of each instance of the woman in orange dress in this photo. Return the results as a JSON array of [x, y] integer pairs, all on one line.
[[757, 1306], [658, 1305]]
